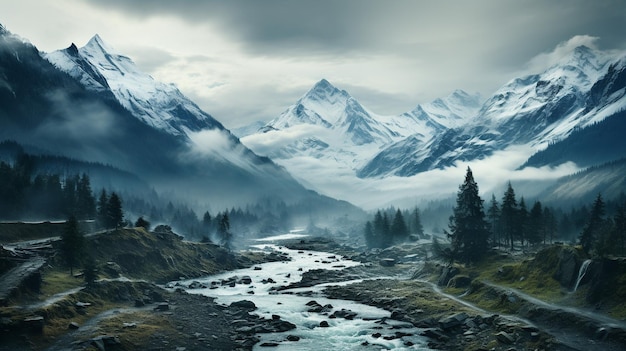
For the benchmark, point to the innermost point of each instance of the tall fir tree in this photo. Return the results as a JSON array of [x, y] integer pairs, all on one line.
[[72, 244], [469, 233], [399, 230], [508, 215], [493, 214], [115, 215], [595, 223]]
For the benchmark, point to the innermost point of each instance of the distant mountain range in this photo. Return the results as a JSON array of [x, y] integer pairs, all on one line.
[[93, 104], [538, 112]]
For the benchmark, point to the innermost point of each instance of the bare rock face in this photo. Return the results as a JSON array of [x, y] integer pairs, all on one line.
[[567, 267]]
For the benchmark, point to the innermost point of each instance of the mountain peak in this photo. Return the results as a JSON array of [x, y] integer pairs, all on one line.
[[97, 43], [324, 90]]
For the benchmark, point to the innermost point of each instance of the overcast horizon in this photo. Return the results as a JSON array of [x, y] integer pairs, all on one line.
[[245, 61]]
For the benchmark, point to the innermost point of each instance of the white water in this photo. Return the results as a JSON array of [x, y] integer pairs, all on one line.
[[342, 334], [581, 273]]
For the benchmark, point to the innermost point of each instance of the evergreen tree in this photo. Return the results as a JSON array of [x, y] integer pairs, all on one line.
[[416, 223], [522, 221], [223, 230], [468, 229], [595, 223], [508, 215], [536, 225], [550, 225], [380, 231], [620, 227], [86, 202], [399, 231], [72, 244], [142, 223], [102, 209], [115, 216], [368, 232], [493, 214]]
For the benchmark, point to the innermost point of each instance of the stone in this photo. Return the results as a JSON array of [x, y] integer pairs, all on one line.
[[453, 320], [244, 304], [505, 337], [162, 306], [387, 262], [34, 323], [435, 333], [293, 338], [73, 325], [324, 324], [269, 344]]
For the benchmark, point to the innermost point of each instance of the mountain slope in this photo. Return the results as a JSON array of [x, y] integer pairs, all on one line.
[[99, 68], [104, 110], [329, 124], [534, 110]]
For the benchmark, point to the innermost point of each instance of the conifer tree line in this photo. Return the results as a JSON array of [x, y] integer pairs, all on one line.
[[509, 224], [393, 226]]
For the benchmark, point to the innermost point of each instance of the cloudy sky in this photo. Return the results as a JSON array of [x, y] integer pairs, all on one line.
[[247, 60]]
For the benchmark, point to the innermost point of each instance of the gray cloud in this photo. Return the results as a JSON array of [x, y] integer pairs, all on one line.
[[511, 30]]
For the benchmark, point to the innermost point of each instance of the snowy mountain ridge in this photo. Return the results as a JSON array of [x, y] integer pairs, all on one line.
[[340, 129], [162, 106]]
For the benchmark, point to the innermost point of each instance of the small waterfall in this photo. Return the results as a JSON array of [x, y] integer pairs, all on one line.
[[581, 273]]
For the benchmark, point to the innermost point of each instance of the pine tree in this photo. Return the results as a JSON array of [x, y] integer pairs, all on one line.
[[493, 213], [508, 215], [102, 209], [115, 216], [536, 225], [468, 229], [522, 219], [142, 223], [399, 232], [620, 226], [86, 203], [416, 223], [72, 244], [223, 230], [595, 223], [368, 232]]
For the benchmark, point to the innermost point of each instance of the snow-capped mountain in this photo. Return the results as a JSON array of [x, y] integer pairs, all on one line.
[[328, 123], [100, 68], [100, 108], [534, 110]]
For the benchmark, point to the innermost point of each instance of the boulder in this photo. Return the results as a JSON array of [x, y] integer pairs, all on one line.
[[505, 338], [453, 320], [244, 304], [567, 267], [387, 262]]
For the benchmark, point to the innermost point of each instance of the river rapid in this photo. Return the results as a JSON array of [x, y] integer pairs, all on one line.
[[370, 329]]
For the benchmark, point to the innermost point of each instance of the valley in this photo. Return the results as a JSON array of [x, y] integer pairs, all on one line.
[[153, 196]]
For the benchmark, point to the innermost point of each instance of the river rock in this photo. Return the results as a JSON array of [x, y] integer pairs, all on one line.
[[324, 324], [435, 333], [505, 337], [244, 304], [343, 313], [453, 320], [73, 325], [293, 338], [387, 262]]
